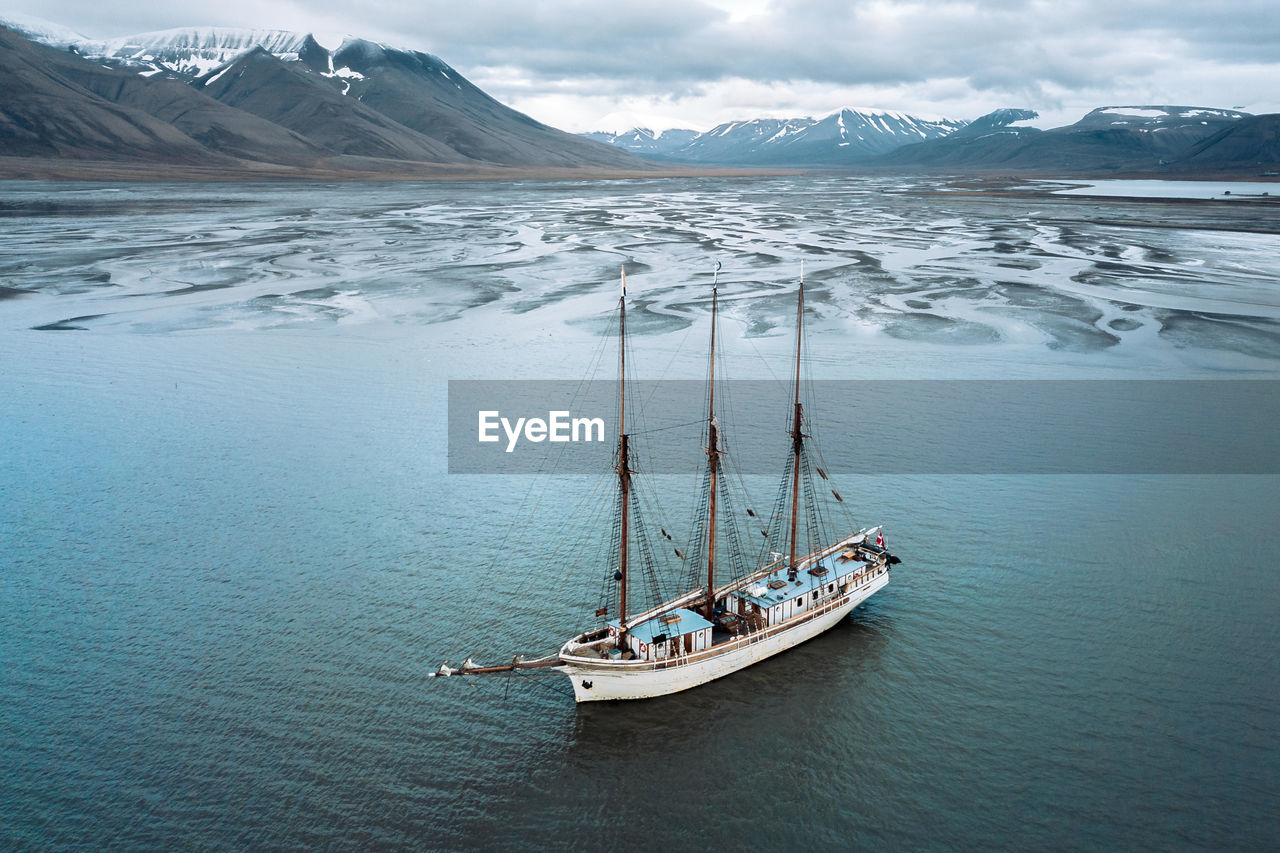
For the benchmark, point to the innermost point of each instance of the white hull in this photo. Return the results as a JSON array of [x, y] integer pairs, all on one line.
[[596, 680]]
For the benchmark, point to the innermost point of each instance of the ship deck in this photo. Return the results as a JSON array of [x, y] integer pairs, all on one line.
[[806, 581]]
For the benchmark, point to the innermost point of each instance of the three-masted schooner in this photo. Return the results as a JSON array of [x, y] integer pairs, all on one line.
[[719, 626]]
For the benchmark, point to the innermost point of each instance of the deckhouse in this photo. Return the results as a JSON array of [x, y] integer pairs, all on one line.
[[774, 599], [675, 633]]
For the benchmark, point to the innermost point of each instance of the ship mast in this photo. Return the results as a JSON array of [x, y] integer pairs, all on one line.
[[624, 468], [713, 453], [797, 438]]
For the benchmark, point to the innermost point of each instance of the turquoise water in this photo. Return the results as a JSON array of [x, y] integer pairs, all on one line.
[[231, 553]]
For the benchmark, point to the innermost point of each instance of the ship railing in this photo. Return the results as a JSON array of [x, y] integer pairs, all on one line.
[[738, 583], [752, 636]]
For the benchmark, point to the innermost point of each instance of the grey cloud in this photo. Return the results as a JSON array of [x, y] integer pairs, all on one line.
[[819, 40], [674, 48], [1013, 49], [847, 44]]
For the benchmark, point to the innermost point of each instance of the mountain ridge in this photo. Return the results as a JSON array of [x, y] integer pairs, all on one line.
[[1109, 139], [1122, 139], [232, 99], [243, 98], [845, 137]]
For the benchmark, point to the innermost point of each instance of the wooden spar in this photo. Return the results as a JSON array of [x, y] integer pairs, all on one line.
[[624, 469], [624, 484], [713, 461], [797, 441], [508, 667]]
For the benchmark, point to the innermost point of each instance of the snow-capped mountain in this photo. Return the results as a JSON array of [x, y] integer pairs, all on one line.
[[847, 136], [1004, 121], [1107, 139], [190, 51], [1149, 117], [642, 140], [184, 52], [38, 29], [363, 100], [1160, 132]]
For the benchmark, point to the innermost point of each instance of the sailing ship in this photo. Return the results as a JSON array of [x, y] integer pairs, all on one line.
[[787, 594]]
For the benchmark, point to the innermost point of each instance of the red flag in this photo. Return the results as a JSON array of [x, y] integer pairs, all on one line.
[[880, 537]]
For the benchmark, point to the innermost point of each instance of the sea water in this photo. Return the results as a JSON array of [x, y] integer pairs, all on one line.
[[231, 553], [1219, 190]]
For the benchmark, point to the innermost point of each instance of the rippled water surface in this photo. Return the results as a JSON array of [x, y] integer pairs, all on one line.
[[231, 554]]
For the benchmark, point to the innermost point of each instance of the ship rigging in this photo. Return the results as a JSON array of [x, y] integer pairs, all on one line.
[[801, 582]]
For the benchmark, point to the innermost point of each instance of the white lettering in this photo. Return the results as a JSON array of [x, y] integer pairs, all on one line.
[[486, 424], [559, 426], [587, 424], [513, 435]]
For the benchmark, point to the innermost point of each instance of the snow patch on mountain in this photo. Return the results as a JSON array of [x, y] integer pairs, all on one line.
[[1154, 115], [1133, 111], [208, 42], [192, 51], [843, 136], [185, 52], [642, 140], [38, 29]]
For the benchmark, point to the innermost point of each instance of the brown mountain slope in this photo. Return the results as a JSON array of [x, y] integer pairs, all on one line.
[[215, 126], [309, 105], [421, 92], [46, 114], [379, 111], [1251, 144], [1112, 140]]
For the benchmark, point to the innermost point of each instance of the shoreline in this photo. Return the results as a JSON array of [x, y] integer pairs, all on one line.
[[987, 181], [53, 169], [1011, 186]]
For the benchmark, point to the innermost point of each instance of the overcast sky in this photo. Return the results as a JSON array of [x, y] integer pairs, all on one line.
[[614, 64]]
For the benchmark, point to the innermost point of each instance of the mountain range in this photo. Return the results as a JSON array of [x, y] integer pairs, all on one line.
[[209, 102], [1145, 138], [1152, 139], [846, 137], [268, 101]]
